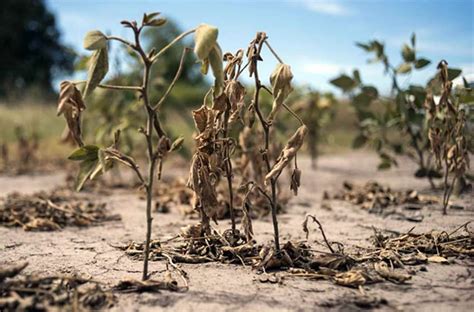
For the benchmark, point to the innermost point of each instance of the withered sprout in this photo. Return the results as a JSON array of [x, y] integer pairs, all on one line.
[[447, 134], [96, 160]]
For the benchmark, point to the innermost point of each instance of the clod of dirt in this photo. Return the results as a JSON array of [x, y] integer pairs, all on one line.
[[51, 211]]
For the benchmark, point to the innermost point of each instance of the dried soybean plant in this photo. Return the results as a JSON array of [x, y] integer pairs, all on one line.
[[280, 81], [95, 160], [215, 146], [447, 134], [212, 157]]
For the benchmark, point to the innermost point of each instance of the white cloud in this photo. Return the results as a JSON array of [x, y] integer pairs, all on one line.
[[334, 8]]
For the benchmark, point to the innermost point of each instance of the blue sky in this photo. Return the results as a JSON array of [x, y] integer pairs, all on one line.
[[315, 37]]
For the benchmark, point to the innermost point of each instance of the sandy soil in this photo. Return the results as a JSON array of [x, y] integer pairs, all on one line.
[[218, 287]]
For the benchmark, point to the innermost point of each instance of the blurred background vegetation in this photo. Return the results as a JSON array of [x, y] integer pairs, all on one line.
[[36, 60]]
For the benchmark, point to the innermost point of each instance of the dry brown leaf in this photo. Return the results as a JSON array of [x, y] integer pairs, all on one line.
[[288, 152]]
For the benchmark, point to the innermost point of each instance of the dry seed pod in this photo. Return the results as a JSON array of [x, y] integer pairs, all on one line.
[[288, 152], [71, 105], [281, 87], [205, 39], [295, 181]]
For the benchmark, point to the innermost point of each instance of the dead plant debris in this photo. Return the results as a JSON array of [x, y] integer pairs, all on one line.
[[385, 260], [379, 199], [49, 293], [51, 211]]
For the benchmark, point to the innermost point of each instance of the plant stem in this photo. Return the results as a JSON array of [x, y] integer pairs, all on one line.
[[151, 122], [228, 167], [154, 58], [266, 134]]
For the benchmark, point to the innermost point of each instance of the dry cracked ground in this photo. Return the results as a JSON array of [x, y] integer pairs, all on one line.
[[221, 287]]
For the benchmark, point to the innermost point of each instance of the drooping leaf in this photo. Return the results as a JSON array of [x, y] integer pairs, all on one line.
[[95, 40], [280, 80], [205, 39], [86, 168], [176, 145], [408, 54], [422, 62], [404, 68], [71, 105], [98, 68], [215, 60], [344, 82], [87, 152]]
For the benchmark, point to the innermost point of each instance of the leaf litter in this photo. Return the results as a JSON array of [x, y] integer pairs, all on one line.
[[380, 199], [386, 260], [50, 293], [52, 211]]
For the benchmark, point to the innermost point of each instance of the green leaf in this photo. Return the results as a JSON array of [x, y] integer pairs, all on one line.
[[98, 68], [95, 40], [86, 169], [362, 100], [357, 78], [363, 46], [359, 141], [413, 40], [177, 144], [422, 62], [404, 68], [453, 73], [408, 53], [344, 82], [370, 91], [156, 22], [150, 16], [87, 152]]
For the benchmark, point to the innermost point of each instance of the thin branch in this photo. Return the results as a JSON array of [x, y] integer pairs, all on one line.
[[293, 113], [175, 79], [154, 58], [112, 87], [273, 51], [125, 42], [320, 227]]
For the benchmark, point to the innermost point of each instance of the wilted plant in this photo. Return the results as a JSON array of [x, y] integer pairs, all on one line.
[[95, 160], [402, 111], [317, 110], [215, 146], [447, 133], [280, 81]]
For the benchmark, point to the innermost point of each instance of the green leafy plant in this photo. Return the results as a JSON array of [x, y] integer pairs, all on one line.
[[95, 160], [382, 118]]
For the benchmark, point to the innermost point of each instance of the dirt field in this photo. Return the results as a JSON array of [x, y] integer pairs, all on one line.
[[219, 287]]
